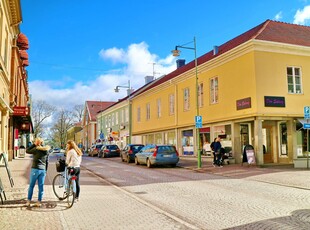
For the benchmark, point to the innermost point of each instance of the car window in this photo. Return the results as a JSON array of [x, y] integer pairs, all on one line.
[[136, 148], [165, 149], [113, 147]]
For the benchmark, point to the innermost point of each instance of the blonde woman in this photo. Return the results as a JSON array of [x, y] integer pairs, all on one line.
[[38, 168], [73, 160]]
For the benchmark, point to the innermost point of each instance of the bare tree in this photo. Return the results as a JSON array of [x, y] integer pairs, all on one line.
[[77, 113], [64, 120], [40, 112]]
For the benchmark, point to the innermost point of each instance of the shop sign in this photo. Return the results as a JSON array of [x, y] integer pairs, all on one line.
[[271, 101], [244, 103], [20, 111]]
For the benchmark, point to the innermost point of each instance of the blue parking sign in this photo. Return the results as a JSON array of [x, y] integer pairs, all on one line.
[[198, 121]]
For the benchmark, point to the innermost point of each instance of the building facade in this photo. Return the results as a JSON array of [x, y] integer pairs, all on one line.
[[15, 119], [251, 91]]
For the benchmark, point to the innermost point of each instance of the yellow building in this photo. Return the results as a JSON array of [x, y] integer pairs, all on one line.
[[252, 90]]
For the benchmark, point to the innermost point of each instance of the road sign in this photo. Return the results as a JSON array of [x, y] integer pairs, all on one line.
[[306, 126], [307, 112], [198, 121]]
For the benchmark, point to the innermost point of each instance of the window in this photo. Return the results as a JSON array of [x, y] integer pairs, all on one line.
[[171, 104], [200, 95], [122, 116], [148, 111], [116, 118], [138, 114], [126, 114], [214, 90], [186, 98], [294, 80], [158, 108], [113, 119]]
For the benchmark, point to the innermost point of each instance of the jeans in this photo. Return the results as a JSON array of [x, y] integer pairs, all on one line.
[[36, 174]]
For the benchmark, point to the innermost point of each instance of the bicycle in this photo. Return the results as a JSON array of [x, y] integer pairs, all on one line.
[[64, 183]]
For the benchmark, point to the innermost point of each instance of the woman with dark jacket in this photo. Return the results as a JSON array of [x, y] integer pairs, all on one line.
[[38, 169]]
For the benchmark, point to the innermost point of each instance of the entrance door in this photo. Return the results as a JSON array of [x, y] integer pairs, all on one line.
[[267, 145]]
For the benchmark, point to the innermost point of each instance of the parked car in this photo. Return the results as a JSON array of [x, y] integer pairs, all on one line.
[[157, 155], [95, 150], [129, 152], [56, 150], [109, 151]]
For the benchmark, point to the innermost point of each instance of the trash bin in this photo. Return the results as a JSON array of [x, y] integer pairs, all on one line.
[[21, 151]]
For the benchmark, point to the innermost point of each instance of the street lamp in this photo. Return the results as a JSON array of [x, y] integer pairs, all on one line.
[[176, 53], [129, 107]]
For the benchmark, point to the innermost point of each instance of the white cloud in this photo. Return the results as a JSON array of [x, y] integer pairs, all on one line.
[[278, 16], [137, 62], [302, 16]]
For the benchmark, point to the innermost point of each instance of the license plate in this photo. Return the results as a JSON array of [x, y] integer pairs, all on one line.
[[170, 155]]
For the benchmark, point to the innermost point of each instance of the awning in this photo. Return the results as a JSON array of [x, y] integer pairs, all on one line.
[[22, 42]]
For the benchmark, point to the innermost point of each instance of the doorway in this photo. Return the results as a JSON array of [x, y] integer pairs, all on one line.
[[267, 144]]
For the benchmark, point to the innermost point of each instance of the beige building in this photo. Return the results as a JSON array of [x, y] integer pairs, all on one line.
[[15, 121]]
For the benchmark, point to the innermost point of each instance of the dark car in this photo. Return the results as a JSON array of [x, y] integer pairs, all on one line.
[[95, 150], [109, 151], [129, 152], [157, 155]]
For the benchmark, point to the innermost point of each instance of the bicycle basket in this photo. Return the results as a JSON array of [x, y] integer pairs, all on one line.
[[60, 165]]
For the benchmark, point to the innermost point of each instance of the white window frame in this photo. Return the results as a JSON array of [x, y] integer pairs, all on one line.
[[293, 86], [158, 102], [214, 90], [186, 99], [171, 104], [200, 95], [148, 111], [138, 114]]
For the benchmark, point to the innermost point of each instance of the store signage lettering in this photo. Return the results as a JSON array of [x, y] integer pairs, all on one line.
[[244, 103], [274, 101], [21, 111]]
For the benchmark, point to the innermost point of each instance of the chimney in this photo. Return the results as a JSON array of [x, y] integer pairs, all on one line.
[[148, 79], [215, 50], [180, 63]]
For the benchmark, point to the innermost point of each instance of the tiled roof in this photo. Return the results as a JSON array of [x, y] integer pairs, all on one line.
[[268, 31], [93, 107]]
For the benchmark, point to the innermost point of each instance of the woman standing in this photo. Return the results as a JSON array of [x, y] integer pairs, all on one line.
[[73, 160], [38, 169]]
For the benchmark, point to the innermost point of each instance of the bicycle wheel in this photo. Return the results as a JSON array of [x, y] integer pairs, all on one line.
[[59, 187], [70, 192]]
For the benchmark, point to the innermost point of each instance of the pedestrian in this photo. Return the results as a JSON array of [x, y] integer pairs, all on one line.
[[213, 152], [38, 169], [73, 160], [217, 150]]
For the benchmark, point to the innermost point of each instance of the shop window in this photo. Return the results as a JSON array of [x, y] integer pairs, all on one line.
[[283, 138], [294, 80], [223, 132], [188, 142], [158, 138], [302, 146]]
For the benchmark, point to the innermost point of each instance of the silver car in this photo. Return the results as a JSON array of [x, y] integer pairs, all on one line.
[[157, 155]]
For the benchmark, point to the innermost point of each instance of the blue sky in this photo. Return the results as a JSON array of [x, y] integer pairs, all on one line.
[[80, 50]]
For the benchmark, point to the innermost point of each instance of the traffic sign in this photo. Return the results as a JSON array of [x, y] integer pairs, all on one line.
[[198, 121], [306, 126], [307, 112]]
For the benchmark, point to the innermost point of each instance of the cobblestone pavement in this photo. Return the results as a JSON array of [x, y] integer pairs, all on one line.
[[110, 207]]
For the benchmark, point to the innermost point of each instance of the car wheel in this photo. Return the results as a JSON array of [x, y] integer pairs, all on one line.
[[173, 165], [128, 159], [122, 158], [136, 161], [99, 155], [148, 163]]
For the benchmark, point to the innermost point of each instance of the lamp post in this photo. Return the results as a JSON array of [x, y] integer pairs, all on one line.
[[176, 53], [129, 107]]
